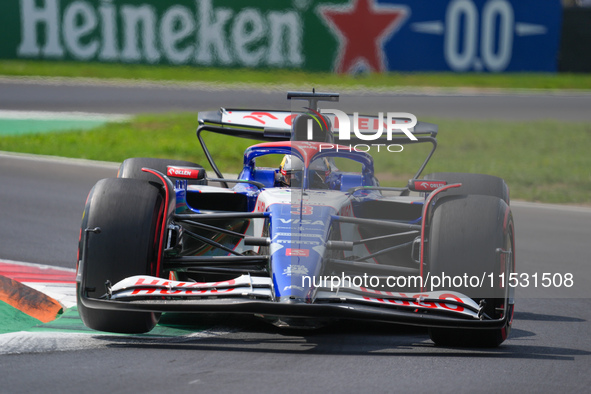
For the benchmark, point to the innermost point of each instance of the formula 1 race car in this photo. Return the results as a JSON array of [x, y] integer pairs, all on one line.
[[304, 243]]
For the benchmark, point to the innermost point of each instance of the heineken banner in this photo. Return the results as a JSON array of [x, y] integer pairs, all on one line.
[[339, 36]]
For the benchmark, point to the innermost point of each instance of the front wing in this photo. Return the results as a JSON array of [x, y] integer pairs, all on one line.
[[254, 295]]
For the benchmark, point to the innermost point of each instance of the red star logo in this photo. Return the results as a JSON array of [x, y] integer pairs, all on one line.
[[362, 28]]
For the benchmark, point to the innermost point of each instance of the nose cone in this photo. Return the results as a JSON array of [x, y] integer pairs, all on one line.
[[297, 250], [295, 265]]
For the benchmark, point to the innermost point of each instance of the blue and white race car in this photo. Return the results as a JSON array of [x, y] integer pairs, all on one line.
[[302, 243]]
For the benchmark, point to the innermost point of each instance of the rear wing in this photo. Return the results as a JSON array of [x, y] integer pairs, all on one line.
[[269, 125]]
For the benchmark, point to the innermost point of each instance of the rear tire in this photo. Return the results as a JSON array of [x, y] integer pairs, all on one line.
[[132, 168], [487, 185], [129, 214], [464, 236]]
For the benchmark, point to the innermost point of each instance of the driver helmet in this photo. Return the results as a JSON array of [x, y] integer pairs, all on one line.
[[291, 168], [320, 129]]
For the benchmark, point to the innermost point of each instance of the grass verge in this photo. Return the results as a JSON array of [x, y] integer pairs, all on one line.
[[544, 161], [295, 78]]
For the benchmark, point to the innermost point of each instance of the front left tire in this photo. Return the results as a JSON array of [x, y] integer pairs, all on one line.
[[474, 235], [129, 213]]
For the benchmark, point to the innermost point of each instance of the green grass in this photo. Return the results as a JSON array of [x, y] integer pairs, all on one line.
[[297, 79], [545, 161]]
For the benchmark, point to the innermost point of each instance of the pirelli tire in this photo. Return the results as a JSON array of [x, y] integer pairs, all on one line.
[[487, 185], [129, 214], [474, 235], [132, 168]]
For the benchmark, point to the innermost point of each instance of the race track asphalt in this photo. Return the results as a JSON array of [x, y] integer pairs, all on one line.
[[49, 95], [549, 349]]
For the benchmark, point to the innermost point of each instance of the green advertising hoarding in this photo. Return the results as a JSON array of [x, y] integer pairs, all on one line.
[[266, 34], [312, 35]]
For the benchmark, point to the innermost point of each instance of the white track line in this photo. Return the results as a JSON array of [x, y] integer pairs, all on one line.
[[58, 159], [52, 115], [53, 341]]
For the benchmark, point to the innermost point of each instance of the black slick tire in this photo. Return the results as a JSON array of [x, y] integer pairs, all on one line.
[[487, 185], [129, 214], [466, 236]]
